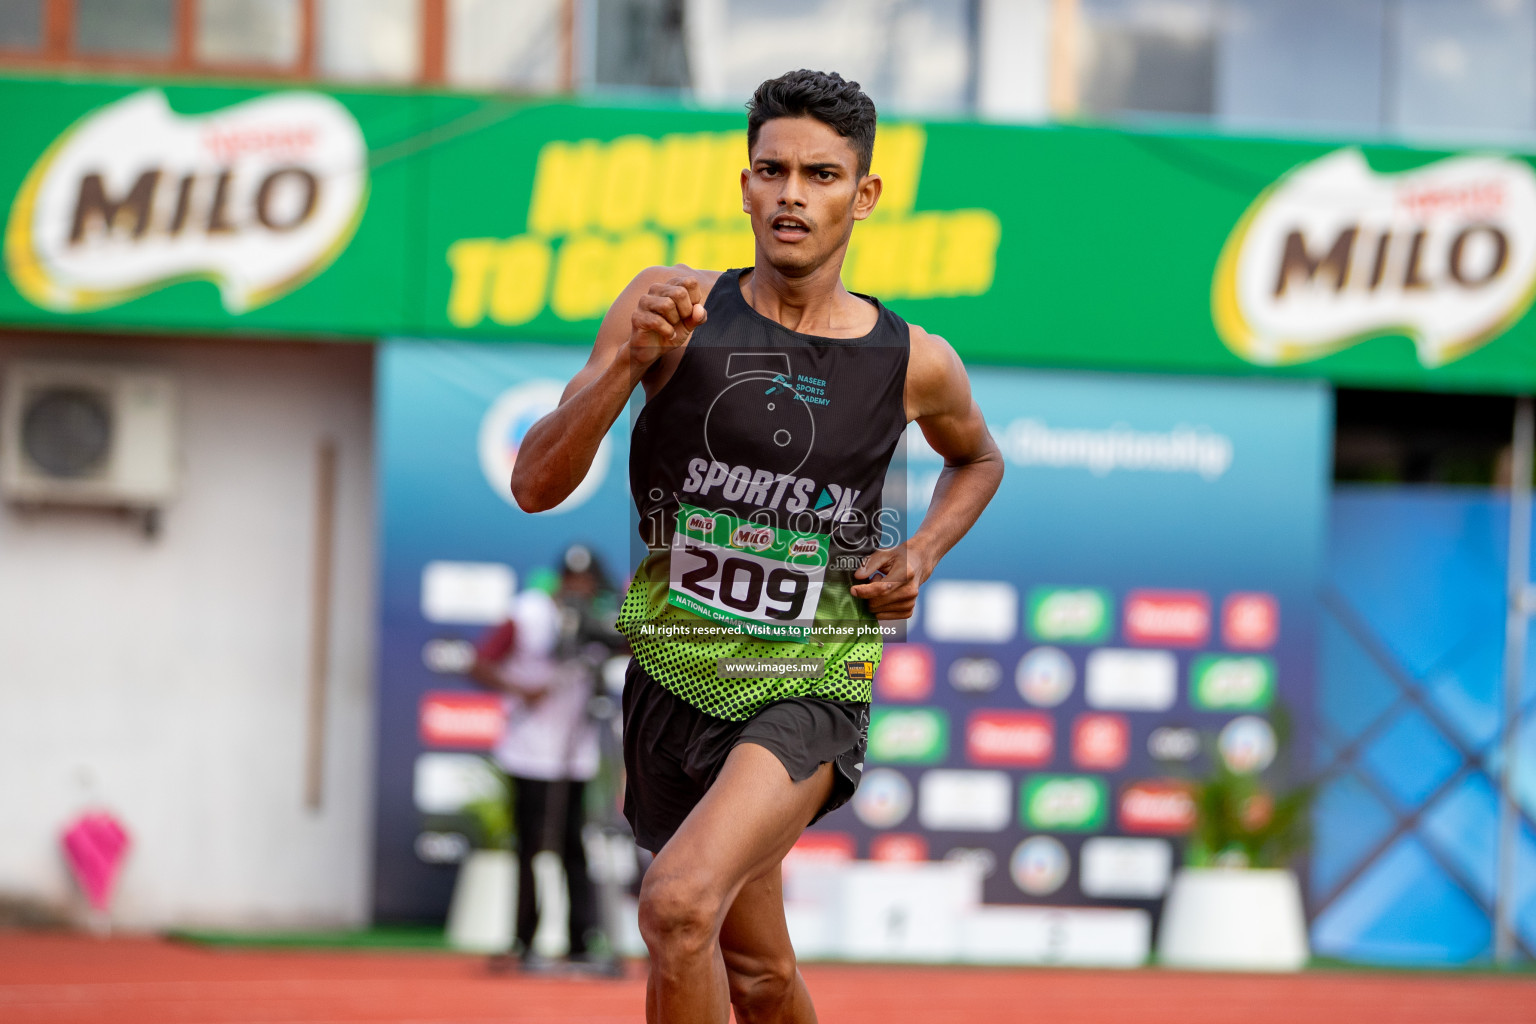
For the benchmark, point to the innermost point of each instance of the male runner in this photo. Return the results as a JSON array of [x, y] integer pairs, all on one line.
[[774, 402]]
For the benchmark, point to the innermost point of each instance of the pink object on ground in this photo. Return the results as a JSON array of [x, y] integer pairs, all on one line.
[[95, 845]]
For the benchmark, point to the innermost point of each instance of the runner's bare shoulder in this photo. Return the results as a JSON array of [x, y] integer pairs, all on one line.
[[933, 370]]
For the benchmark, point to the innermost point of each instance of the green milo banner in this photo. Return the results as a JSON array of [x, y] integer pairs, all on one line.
[[132, 206], [297, 211]]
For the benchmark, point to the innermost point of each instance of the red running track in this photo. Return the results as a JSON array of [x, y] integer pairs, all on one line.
[[63, 979]]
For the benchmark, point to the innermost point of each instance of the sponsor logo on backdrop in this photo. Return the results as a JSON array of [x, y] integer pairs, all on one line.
[[964, 801], [1131, 680], [1177, 617], [973, 675], [1173, 743], [445, 783], [898, 848], [1219, 683], [915, 736], [1066, 615], [467, 593], [1247, 744], [1184, 449], [1025, 739], [473, 721], [601, 210], [1256, 811], [1335, 253], [503, 428], [971, 611], [1101, 741], [1064, 803], [1045, 676], [1039, 865], [449, 657], [984, 859], [1112, 867], [258, 198], [1250, 622], [434, 847], [1163, 807], [821, 848], [883, 799], [905, 673]]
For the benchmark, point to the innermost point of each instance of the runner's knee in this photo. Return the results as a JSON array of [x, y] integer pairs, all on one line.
[[676, 913], [760, 986]]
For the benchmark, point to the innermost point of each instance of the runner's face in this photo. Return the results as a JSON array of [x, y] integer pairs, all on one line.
[[804, 193]]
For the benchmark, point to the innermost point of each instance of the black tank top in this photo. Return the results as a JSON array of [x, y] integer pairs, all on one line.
[[758, 473]]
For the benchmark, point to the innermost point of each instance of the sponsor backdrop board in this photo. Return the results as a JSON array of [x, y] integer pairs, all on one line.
[[1139, 598], [454, 549], [301, 211], [1144, 580]]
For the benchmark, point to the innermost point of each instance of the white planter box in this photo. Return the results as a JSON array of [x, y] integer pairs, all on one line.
[[1240, 919], [860, 910], [1071, 936], [480, 915]]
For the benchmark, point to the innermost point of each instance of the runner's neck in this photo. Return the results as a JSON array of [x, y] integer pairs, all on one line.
[[816, 304]]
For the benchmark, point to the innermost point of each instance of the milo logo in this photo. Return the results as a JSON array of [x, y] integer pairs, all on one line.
[[1064, 803], [1336, 253], [257, 197], [1236, 684], [1081, 615], [701, 524], [916, 736], [805, 546], [758, 538], [1165, 807]]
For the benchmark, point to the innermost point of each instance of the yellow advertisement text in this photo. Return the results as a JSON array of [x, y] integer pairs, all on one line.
[[601, 212]]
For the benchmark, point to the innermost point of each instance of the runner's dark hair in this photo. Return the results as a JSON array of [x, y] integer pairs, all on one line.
[[824, 95]]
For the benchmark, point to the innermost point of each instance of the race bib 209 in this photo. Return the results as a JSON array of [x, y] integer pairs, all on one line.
[[758, 579]]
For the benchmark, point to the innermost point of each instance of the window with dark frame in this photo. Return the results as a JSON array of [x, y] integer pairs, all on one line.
[[258, 38], [21, 26]]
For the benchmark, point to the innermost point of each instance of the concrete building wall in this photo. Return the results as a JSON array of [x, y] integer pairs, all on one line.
[[166, 678]]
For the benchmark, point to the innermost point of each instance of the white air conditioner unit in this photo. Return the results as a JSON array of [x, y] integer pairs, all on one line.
[[88, 434]]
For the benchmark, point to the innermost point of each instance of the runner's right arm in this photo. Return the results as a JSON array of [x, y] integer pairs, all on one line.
[[655, 315]]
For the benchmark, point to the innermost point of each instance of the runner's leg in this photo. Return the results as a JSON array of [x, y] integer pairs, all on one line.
[[766, 987], [740, 830]]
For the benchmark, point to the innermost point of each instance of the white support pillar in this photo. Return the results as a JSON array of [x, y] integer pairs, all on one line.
[[1517, 625]]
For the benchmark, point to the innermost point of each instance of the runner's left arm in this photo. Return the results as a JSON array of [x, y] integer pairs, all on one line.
[[938, 398]]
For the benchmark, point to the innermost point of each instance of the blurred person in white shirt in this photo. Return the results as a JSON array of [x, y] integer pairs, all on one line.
[[549, 751]]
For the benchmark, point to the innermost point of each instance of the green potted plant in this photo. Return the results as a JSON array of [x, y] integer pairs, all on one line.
[[1240, 823], [1236, 904]]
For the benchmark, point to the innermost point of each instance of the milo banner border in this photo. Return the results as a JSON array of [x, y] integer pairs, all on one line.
[[296, 211]]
